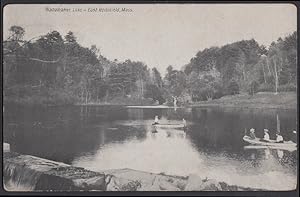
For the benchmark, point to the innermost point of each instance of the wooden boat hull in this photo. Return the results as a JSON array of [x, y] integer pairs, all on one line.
[[152, 107], [169, 126], [251, 147], [272, 143]]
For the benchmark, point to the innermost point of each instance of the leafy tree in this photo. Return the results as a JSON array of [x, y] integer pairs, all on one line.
[[156, 78], [154, 92], [175, 82], [233, 88], [53, 69], [253, 87], [16, 33], [70, 37]]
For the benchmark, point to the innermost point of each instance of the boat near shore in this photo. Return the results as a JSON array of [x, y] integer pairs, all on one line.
[[152, 107], [170, 126], [256, 143]]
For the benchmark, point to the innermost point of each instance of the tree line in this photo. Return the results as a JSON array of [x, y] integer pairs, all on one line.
[[54, 69], [243, 66]]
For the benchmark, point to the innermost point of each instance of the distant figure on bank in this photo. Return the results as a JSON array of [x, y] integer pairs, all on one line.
[[175, 101], [184, 122], [252, 134], [266, 136], [184, 125], [155, 120], [279, 138]]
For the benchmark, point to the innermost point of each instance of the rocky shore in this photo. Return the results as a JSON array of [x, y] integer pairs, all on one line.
[[32, 173]]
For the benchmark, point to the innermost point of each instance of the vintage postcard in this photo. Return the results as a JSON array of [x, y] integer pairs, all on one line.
[[150, 97]]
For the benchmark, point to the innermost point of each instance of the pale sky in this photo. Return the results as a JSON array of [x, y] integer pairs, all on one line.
[[157, 34]]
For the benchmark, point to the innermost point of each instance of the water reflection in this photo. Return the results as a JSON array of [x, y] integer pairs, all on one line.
[[267, 153], [170, 152], [100, 138], [157, 152], [156, 133], [280, 154]]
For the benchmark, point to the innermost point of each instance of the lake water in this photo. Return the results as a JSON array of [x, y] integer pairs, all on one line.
[[106, 137]]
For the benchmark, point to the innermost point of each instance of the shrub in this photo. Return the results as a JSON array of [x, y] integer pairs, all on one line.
[[287, 87], [253, 87], [233, 88], [155, 93], [265, 87]]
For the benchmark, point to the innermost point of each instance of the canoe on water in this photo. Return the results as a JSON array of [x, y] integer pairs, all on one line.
[[170, 130], [152, 107], [170, 126], [285, 144], [288, 148]]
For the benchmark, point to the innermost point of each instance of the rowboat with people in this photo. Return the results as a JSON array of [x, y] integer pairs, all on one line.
[[270, 143], [255, 147], [156, 124]]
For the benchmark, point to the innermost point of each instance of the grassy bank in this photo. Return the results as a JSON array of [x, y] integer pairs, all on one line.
[[62, 99], [121, 101], [265, 100]]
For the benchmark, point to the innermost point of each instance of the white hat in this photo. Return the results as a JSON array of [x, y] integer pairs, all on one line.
[[252, 130], [266, 130]]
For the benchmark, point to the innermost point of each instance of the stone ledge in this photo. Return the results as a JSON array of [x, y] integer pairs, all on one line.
[[49, 175], [145, 181], [39, 174]]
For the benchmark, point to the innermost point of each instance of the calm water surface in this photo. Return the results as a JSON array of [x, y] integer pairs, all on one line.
[[100, 138]]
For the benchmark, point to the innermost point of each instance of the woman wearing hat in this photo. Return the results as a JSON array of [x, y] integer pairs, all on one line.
[[266, 136], [279, 138], [252, 134]]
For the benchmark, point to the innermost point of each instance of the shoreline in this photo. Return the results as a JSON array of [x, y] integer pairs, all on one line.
[[254, 106], [192, 105], [198, 105], [261, 100]]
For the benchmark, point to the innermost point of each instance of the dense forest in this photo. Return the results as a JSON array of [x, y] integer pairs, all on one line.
[[54, 69]]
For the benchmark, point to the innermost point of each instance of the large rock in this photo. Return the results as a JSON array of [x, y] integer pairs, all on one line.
[[163, 184], [114, 183], [193, 183], [33, 173], [166, 186], [142, 181], [226, 187], [196, 183], [210, 185]]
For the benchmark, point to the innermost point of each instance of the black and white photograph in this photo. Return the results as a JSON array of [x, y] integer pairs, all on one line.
[[149, 97]]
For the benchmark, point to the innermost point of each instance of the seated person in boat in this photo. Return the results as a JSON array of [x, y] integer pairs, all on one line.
[[294, 137], [279, 138], [252, 134], [155, 120], [266, 136]]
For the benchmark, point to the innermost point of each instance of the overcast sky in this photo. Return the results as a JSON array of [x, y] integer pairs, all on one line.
[[158, 34]]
